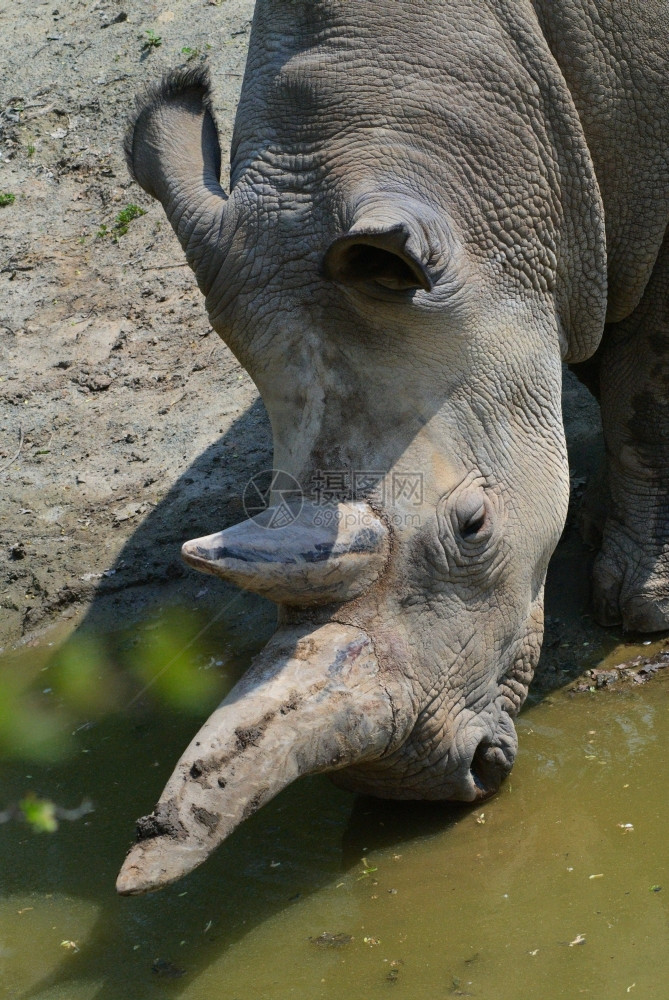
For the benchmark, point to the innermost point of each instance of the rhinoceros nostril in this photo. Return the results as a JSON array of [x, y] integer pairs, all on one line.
[[489, 767]]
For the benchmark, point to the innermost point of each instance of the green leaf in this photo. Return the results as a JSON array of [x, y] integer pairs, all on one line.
[[40, 814]]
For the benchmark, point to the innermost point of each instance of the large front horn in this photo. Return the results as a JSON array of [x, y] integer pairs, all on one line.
[[311, 701], [303, 555]]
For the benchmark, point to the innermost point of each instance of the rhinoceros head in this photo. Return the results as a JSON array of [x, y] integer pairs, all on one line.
[[401, 291]]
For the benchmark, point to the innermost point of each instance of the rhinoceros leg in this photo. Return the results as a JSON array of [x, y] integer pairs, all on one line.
[[631, 577]]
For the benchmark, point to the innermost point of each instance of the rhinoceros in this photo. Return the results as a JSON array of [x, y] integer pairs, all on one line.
[[432, 205]]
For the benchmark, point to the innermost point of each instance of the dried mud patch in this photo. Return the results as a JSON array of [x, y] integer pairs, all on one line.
[[126, 426]]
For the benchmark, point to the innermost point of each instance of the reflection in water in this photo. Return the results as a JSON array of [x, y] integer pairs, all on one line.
[[556, 888]]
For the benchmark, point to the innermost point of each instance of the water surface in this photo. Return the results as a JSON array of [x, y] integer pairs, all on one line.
[[556, 888]]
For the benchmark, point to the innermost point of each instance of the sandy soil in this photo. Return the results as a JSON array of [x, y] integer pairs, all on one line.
[[126, 426]]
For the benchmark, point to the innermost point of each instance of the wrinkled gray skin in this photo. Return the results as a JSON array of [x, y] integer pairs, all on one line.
[[432, 204]]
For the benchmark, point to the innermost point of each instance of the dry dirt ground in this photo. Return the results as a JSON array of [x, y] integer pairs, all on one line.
[[126, 426], [127, 408]]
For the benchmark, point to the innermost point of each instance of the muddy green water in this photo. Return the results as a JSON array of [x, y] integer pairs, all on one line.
[[447, 902]]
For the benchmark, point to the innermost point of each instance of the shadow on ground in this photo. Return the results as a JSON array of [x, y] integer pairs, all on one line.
[[149, 573]]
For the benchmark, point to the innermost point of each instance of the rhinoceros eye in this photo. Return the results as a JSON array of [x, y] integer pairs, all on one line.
[[472, 515], [469, 522], [474, 524]]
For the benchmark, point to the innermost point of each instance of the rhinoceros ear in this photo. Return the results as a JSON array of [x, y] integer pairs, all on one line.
[[173, 152], [384, 258]]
